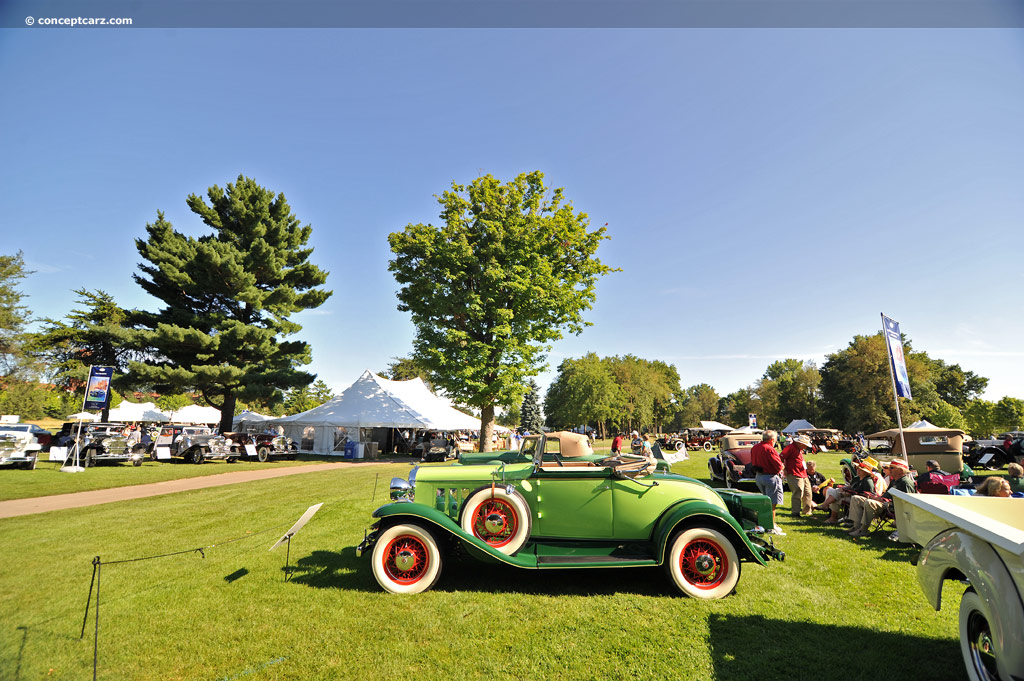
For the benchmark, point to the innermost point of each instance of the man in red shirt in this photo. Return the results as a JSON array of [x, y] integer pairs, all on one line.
[[617, 445], [768, 472], [796, 475]]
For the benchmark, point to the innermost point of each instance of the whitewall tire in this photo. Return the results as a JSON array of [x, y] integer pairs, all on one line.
[[406, 559], [703, 563], [498, 518]]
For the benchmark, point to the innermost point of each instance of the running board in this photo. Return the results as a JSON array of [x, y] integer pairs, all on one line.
[[608, 561]]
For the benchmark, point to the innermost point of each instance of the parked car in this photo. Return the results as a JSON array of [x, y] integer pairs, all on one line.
[[676, 441], [197, 444], [700, 438], [823, 439], [18, 448], [43, 437], [944, 445], [993, 454], [265, 445], [560, 510], [977, 541], [733, 458], [106, 443]]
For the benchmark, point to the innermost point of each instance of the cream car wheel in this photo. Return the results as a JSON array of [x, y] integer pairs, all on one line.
[[499, 518], [976, 640], [406, 560], [703, 563], [708, 446]]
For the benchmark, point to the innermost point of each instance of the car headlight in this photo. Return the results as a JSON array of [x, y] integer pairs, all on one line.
[[401, 490]]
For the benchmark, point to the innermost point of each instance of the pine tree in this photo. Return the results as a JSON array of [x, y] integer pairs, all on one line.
[[226, 299], [529, 413]]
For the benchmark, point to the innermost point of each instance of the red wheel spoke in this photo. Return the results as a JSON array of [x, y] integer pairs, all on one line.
[[410, 550], [502, 513], [703, 563]]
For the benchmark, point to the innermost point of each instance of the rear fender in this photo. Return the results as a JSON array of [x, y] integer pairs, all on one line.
[[696, 513], [953, 553]]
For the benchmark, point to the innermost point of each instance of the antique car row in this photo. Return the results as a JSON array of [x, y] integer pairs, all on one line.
[[91, 444], [554, 504]]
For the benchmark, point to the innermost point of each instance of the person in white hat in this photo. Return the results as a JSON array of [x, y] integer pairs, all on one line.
[[796, 475], [864, 509]]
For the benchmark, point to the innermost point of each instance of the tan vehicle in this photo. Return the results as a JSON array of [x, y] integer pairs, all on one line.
[[979, 541], [945, 445]]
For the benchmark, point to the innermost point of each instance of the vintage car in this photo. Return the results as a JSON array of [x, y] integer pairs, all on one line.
[[734, 458], [436, 449], [43, 437], [560, 510], [106, 443], [993, 454], [944, 445], [823, 439], [676, 441], [978, 541], [197, 444], [700, 438], [265, 446], [18, 448]]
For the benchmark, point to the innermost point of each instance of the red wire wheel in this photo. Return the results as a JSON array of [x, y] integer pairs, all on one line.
[[406, 559], [496, 522], [499, 517], [703, 563]]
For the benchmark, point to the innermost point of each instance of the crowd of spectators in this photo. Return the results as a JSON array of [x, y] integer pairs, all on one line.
[[857, 504]]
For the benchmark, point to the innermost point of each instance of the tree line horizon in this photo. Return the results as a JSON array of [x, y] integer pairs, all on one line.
[[510, 267]]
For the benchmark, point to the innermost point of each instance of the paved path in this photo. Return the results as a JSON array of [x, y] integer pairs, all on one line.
[[57, 502]]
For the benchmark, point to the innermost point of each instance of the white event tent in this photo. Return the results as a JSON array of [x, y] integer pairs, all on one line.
[[715, 425], [194, 413], [248, 417], [797, 424], [373, 402], [83, 416], [131, 412]]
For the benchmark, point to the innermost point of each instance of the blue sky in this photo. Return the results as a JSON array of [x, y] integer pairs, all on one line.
[[768, 192]]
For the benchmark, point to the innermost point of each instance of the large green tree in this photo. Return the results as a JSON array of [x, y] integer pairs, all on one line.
[[700, 403], [226, 299], [529, 411], [510, 268], [788, 390], [93, 333], [583, 392], [13, 314]]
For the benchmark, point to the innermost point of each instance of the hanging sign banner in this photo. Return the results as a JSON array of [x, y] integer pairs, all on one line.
[[752, 420], [97, 390], [894, 342]]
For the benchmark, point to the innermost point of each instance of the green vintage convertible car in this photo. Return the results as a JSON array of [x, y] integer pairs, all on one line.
[[561, 509]]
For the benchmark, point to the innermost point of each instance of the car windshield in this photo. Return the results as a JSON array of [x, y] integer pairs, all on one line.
[[529, 446]]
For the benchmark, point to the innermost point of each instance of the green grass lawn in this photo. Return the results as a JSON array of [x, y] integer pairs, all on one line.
[[835, 607], [47, 479]]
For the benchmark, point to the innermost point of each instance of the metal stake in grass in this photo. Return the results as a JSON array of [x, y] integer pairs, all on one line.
[[96, 565]]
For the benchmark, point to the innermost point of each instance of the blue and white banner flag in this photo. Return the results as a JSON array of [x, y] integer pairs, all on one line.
[[894, 342], [97, 390], [752, 420]]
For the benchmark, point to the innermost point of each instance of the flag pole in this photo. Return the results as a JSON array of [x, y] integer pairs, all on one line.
[[895, 394]]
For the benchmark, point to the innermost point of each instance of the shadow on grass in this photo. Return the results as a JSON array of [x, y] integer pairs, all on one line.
[[745, 647], [342, 570]]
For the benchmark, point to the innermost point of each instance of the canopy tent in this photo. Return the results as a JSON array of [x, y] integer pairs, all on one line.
[[248, 417], [373, 402], [129, 412], [921, 424], [797, 424], [193, 413], [715, 425], [83, 416]]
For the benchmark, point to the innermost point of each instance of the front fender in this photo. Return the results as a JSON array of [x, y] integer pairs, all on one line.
[[696, 509], [981, 565], [399, 511]]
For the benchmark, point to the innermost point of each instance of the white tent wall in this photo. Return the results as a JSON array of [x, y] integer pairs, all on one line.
[[372, 402]]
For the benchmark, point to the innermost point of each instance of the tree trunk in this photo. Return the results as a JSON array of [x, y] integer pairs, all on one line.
[[486, 428], [227, 412]]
